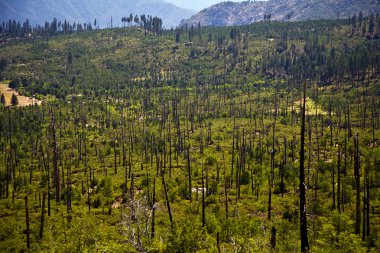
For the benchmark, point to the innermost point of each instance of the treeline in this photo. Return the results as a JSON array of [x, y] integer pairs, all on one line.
[[359, 25], [321, 62], [149, 23], [320, 58], [14, 28]]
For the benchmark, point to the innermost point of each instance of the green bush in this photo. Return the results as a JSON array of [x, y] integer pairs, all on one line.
[[245, 178], [290, 214], [336, 235], [106, 187], [189, 236], [97, 202]]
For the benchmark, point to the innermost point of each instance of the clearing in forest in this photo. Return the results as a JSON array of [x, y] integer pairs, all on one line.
[[22, 100]]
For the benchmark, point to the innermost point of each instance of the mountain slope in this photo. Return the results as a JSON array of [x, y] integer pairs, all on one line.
[[197, 5], [39, 11], [232, 13]]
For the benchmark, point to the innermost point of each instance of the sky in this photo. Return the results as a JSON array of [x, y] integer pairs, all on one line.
[[196, 5]]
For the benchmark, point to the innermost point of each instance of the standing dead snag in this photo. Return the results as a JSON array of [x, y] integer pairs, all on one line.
[[339, 179], [273, 237], [366, 202], [303, 219], [153, 207], [271, 176], [203, 201], [68, 195], [357, 183], [167, 199], [225, 189], [42, 216], [368, 199], [55, 159], [27, 231], [135, 223], [218, 242], [189, 173], [115, 155]]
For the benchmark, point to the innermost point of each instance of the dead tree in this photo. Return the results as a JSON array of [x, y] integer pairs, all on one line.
[[55, 159], [153, 207], [27, 231], [225, 189], [167, 199], [303, 219], [189, 173], [357, 183], [203, 201], [42, 216], [135, 223], [273, 237], [339, 179]]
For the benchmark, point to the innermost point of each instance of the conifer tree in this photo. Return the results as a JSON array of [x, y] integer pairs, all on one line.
[[14, 100], [2, 99]]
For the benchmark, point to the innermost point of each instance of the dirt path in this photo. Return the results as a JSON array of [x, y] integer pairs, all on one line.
[[22, 101]]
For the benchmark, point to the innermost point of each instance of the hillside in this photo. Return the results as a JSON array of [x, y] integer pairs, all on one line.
[[210, 139], [233, 13], [88, 10], [197, 5]]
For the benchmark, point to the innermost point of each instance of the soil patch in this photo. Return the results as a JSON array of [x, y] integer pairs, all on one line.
[[22, 100]]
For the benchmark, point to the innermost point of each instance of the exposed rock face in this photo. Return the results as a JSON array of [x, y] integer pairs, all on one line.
[[235, 13]]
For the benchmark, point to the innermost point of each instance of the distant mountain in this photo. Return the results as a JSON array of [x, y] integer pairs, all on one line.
[[232, 13], [195, 4], [39, 11]]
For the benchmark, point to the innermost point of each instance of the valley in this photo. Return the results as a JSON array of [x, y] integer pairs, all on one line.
[[197, 139]]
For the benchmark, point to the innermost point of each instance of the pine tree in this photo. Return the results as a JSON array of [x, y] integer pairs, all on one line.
[[3, 99], [70, 58], [371, 28], [14, 100]]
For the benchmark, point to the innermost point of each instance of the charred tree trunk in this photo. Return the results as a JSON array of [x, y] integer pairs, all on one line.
[[189, 174], [68, 195], [114, 153], [225, 190], [153, 207], [303, 219], [42, 216], [333, 187], [364, 214], [271, 176], [167, 199], [339, 186], [203, 201], [55, 160], [218, 242], [357, 183], [368, 200], [27, 231], [273, 237]]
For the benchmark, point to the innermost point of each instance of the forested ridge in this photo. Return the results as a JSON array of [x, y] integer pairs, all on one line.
[[259, 138]]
